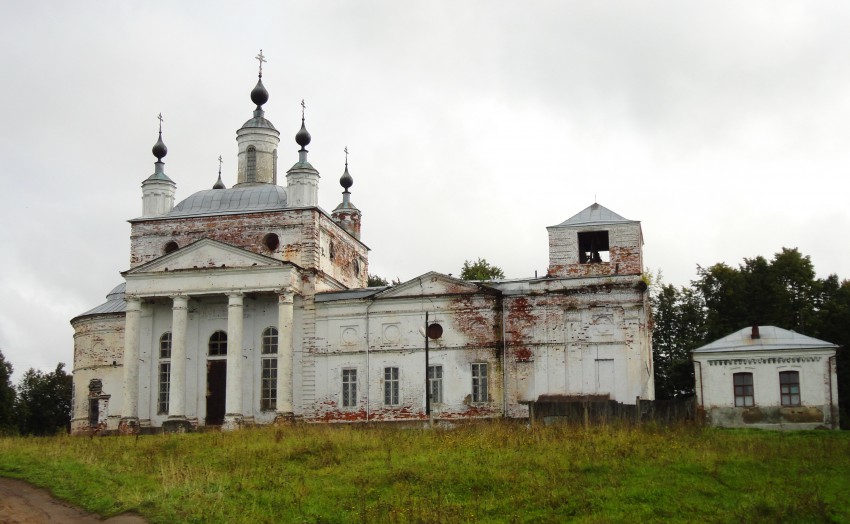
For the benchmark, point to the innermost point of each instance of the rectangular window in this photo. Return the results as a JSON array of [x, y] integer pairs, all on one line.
[[479, 382], [435, 384], [391, 383], [268, 395], [743, 389], [349, 388], [593, 247], [789, 388], [164, 387]]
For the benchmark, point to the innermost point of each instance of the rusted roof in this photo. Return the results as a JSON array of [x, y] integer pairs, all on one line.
[[595, 214], [771, 338]]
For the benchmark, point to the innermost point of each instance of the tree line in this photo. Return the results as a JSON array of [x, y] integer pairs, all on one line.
[[39, 405], [783, 292]]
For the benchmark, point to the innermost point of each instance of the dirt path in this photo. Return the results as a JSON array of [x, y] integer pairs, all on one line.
[[21, 503]]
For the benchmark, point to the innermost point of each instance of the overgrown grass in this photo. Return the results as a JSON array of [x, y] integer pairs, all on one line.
[[480, 472]]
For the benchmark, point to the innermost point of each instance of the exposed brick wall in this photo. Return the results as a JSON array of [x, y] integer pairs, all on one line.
[[625, 251]]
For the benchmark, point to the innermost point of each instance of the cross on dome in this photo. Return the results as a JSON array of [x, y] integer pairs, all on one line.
[[159, 117], [261, 59]]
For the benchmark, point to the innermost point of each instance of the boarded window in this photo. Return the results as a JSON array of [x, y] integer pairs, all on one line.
[[743, 389], [593, 247], [789, 388]]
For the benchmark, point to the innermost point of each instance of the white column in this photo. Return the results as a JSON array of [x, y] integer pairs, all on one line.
[[179, 317], [129, 423], [285, 355], [233, 400]]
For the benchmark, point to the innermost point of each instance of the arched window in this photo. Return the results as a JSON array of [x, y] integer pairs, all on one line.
[[269, 340], [170, 246], [165, 345], [218, 344], [251, 165]]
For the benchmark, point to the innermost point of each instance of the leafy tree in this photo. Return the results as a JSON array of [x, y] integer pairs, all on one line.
[[375, 281], [480, 270], [7, 397], [679, 326], [44, 402]]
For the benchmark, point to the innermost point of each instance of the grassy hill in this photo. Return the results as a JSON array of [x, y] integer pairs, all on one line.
[[497, 472]]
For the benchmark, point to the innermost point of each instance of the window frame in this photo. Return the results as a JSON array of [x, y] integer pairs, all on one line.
[[165, 342], [480, 393], [743, 391], [392, 386], [268, 384], [163, 399], [786, 389], [435, 383], [269, 343], [348, 395], [220, 344]]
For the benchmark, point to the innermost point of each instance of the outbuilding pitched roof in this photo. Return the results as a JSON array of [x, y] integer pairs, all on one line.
[[771, 338]]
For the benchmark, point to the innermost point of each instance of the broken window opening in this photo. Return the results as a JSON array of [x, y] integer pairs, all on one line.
[[271, 241], [593, 247], [170, 247]]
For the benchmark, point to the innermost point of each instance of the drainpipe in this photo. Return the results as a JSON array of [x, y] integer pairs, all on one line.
[[829, 378], [368, 406], [701, 394]]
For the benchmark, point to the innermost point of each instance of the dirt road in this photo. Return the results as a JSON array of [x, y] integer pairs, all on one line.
[[21, 503]]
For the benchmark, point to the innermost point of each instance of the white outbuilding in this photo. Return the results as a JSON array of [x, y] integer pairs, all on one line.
[[767, 377]]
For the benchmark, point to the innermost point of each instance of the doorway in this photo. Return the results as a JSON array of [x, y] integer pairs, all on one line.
[[216, 391]]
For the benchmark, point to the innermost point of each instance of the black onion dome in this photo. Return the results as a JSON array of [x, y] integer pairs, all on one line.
[[302, 137], [159, 150], [259, 95], [219, 184], [345, 180]]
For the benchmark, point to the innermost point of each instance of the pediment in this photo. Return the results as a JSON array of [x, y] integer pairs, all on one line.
[[206, 254], [433, 283]]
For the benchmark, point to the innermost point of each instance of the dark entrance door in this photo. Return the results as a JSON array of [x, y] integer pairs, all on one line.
[[216, 388]]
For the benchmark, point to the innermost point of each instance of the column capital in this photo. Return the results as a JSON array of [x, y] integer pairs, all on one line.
[[285, 296], [179, 301], [133, 302]]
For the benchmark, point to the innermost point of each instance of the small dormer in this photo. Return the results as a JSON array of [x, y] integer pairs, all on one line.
[[595, 242]]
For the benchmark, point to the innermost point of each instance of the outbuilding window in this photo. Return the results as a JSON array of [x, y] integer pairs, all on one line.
[[789, 387], [743, 389]]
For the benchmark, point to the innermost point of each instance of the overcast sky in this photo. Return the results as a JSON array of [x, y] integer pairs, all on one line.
[[472, 125]]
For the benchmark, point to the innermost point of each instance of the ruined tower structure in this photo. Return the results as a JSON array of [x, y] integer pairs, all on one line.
[[249, 305]]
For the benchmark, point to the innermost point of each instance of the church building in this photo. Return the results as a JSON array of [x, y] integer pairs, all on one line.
[[249, 305]]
